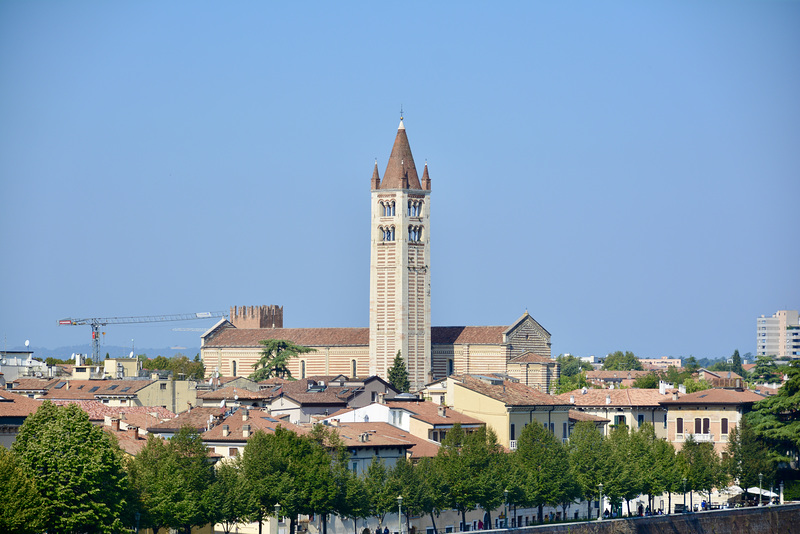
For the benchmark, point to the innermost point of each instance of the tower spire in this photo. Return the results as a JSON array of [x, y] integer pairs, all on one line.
[[376, 179], [426, 180], [401, 173]]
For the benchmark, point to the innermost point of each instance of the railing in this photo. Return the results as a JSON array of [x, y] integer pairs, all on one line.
[[512, 444], [697, 437]]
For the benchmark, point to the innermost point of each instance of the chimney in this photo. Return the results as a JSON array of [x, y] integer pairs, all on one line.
[[572, 399], [115, 424], [133, 431], [246, 431], [334, 422], [674, 395], [381, 398], [245, 414], [662, 387], [225, 431], [608, 399], [442, 410]]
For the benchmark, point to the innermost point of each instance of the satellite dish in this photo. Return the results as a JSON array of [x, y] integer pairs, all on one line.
[[131, 354], [27, 343], [72, 357]]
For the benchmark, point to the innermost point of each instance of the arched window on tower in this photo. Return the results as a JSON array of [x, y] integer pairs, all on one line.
[[391, 234], [409, 208], [392, 209], [302, 368], [233, 368], [353, 372]]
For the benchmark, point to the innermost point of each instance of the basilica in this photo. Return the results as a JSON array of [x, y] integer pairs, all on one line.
[[399, 309]]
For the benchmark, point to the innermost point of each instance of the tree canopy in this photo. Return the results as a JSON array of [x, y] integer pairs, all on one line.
[[777, 419], [398, 374], [17, 487], [619, 361], [78, 470], [275, 358]]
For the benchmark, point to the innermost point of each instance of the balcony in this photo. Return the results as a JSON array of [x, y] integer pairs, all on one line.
[[512, 444], [700, 438]]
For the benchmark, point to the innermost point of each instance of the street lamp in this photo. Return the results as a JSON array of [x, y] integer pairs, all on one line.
[[760, 483], [600, 512], [399, 514], [684, 494], [505, 508], [780, 499], [137, 515], [277, 511]]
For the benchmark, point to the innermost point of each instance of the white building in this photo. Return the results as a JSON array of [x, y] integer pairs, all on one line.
[[779, 335]]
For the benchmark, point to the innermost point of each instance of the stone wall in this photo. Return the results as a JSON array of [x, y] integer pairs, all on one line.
[[783, 519]]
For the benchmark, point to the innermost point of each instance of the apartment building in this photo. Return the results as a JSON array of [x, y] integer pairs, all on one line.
[[779, 335]]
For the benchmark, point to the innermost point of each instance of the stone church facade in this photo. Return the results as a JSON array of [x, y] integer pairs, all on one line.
[[399, 307]]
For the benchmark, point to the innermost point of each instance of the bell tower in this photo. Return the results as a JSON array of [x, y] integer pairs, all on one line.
[[399, 294]]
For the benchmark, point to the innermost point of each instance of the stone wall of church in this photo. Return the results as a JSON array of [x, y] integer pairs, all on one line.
[[257, 316], [528, 336], [468, 359], [323, 361]]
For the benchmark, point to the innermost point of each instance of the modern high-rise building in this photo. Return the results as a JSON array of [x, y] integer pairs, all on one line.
[[779, 335]]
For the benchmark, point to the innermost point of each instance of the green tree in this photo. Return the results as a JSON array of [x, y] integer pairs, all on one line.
[[765, 370], [776, 419], [623, 474], [693, 386], [544, 464], [398, 374], [485, 459], [457, 472], [572, 366], [619, 361], [173, 480], [78, 470], [571, 383], [690, 364], [586, 457], [701, 465], [227, 495], [748, 456], [648, 381], [431, 489], [275, 358], [381, 496], [667, 477], [20, 502]]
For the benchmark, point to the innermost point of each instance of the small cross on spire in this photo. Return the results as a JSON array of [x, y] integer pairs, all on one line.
[[401, 111]]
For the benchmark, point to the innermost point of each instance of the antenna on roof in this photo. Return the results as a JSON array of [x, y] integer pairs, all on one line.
[[401, 111]]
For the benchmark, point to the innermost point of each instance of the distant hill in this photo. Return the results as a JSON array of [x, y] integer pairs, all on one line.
[[63, 353]]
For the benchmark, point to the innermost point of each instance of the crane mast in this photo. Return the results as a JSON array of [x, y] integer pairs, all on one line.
[[97, 322]]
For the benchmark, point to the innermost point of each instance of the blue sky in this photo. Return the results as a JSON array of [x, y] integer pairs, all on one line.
[[628, 172]]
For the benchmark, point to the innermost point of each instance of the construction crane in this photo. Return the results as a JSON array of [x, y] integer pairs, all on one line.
[[97, 322]]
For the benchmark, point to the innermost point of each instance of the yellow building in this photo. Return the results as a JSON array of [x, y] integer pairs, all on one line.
[[506, 406]]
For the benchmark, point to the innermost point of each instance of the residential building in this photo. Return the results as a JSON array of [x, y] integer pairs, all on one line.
[[229, 435], [399, 310], [779, 335], [14, 409], [630, 407], [721, 379], [506, 406], [611, 379], [660, 364], [707, 415], [423, 419], [536, 371]]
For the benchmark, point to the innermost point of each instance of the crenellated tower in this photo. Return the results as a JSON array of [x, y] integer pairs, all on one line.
[[399, 295]]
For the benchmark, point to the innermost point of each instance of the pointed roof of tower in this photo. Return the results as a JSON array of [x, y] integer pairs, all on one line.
[[401, 169], [376, 179], [426, 180]]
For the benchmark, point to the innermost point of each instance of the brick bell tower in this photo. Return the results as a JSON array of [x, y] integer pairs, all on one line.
[[399, 273]]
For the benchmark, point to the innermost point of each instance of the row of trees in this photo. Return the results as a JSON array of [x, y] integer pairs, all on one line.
[[66, 475]]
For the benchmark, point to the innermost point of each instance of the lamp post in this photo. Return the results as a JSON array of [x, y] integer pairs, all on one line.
[[273, 525], [760, 483], [137, 515], [600, 512], [277, 510], [505, 507], [399, 514], [684, 494]]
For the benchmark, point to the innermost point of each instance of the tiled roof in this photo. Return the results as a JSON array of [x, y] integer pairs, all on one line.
[[616, 397], [140, 416], [348, 337], [384, 435], [32, 384], [257, 419], [531, 357], [197, 418], [511, 393], [90, 389], [715, 396], [232, 393], [428, 412], [15, 405], [577, 415], [457, 335], [401, 172]]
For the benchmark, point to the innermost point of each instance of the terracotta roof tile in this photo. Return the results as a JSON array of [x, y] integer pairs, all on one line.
[[386, 435], [15, 405], [197, 418], [608, 375], [140, 416], [511, 393], [348, 337], [577, 415], [428, 412], [616, 397], [401, 172], [715, 396], [530, 357], [257, 419]]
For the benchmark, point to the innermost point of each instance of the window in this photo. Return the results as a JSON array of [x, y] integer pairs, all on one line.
[[679, 425], [354, 373], [619, 420], [698, 426], [565, 433], [233, 451], [233, 365], [450, 368], [302, 368], [512, 432], [164, 385], [553, 428], [706, 426], [724, 425], [665, 420], [640, 420]]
